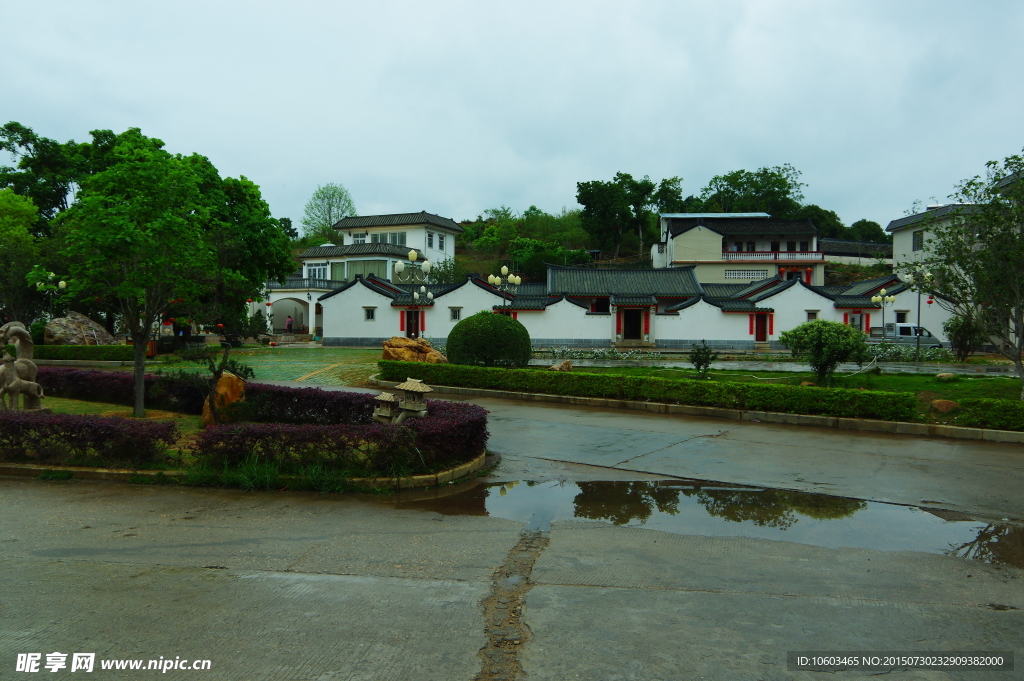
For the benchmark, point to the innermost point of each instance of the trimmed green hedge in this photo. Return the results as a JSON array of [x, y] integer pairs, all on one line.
[[980, 412], [789, 399], [95, 353]]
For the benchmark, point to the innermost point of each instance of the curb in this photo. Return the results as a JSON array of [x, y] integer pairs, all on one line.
[[863, 425], [124, 474]]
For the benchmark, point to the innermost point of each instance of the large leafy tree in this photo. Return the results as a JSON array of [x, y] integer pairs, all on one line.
[[330, 202], [135, 238], [975, 257], [869, 230], [626, 203], [776, 191], [829, 224], [18, 254]]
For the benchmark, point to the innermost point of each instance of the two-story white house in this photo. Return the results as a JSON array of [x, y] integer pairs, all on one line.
[[910, 234], [365, 245], [740, 247]]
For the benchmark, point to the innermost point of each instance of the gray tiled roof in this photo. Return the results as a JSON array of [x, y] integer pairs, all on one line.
[[530, 302], [397, 219], [722, 290], [682, 304], [738, 226], [358, 249], [854, 248], [758, 285], [931, 214], [855, 301], [676, 282], [633, 300], [739, 306]]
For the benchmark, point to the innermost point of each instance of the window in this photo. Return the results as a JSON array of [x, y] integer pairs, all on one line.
[[456, 313], [440, 242], [751, 246], [812, 315], [901, 317], [369, 314], [906, 331], [365, 268], [805, 246], [430, 239], [746, 274], [775, 246], [359, 238], [316, 271], [396, 238], [377, 238], [602, 305], [790, 245], [918, 240]]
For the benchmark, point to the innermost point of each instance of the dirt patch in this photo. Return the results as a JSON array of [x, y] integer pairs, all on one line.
[[928, 396]]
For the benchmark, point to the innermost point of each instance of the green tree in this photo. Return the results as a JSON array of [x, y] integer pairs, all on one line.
[[329, 204], [825, 345], [868, 230], [448, 271], [829, 224], [489, 339], [776, 191], [18, 254], [976, 255], [606, 212], [135, 238]]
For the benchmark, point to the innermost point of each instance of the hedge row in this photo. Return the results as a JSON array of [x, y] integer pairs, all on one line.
[[778, 398], [987, 413], [83, 440], [96, 353], [184, 393], [452, 433]]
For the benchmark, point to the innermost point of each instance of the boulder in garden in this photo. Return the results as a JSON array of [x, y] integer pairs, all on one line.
[[944, 406], [76, 329], [230, 389], [412, 350]]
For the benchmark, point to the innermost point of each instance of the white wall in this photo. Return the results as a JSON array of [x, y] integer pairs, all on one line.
[[470, 297], [565, 323], [343, 315]]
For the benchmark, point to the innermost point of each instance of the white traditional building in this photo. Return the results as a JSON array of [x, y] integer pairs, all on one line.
[[735, 280], [365, 245]]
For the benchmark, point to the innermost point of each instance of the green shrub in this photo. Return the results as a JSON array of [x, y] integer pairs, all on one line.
[[826, 345], [980, 412], [489, 339], [94, 353], [778, 398]]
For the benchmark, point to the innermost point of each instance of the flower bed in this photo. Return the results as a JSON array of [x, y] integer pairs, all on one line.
[[75, 439], [295, 427]]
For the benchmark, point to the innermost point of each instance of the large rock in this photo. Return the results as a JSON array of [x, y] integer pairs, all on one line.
[[564, 365], [944, 406], [76, 329], [230, 389], [946, 376], [412, 350]]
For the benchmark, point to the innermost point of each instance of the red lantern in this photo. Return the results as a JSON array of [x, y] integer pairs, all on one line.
[[269, 304], [248, 300], [220, 326], [930, 301], [171, 320]]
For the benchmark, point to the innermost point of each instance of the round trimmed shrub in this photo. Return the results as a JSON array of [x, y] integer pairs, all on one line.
[[490, 340]]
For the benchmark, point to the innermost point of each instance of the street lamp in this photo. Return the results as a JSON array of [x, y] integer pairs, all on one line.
[[417, 272], [885, 301], [508, 283], [917, 278]]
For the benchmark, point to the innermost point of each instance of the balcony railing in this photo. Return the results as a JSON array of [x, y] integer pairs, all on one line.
[[773, 255], [318, 284]]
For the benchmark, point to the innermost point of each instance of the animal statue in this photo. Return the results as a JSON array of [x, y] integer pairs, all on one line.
[[11, 385], [15, 332]]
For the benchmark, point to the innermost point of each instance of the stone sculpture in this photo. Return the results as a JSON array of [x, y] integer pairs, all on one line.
[[20, 369], [76, 329], [412, 350], [11, 385]]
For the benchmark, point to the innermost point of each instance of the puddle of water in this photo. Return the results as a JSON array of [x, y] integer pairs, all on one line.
[[693, 508]]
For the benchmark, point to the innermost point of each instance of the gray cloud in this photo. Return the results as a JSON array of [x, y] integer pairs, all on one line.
[[457, 107]]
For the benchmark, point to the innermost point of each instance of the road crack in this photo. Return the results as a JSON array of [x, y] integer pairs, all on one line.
[[503, 610]]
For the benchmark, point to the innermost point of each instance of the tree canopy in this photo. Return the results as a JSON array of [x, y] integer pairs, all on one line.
[[18, 254], [330, 202]]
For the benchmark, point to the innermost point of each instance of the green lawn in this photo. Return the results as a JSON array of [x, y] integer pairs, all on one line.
[[326, 366], [61, 405]]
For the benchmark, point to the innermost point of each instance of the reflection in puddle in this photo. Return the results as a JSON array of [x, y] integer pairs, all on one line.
[[694, 508]]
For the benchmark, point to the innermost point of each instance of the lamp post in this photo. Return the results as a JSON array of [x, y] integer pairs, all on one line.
[[506, 282], [424, 293], [917, 278], [413, 273], [885, 301]]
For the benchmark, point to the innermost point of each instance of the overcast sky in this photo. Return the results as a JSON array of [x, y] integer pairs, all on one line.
[[457, 107]]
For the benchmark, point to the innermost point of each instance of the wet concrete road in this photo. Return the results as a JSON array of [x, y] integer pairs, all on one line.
[[639, 580]]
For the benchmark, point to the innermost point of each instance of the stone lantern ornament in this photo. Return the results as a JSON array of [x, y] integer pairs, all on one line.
[[387, 405], [411, 403]]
